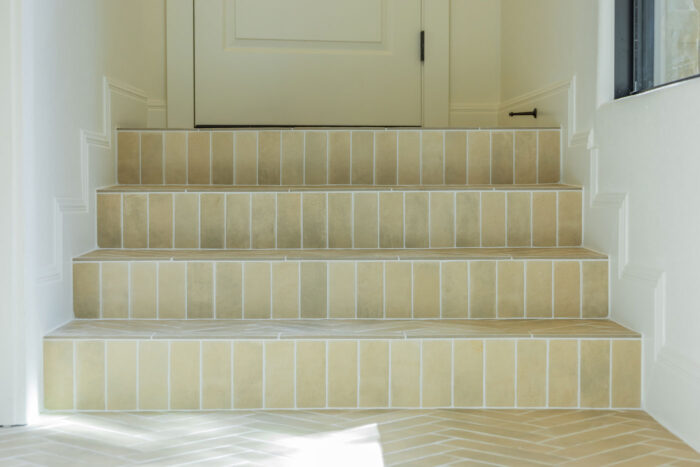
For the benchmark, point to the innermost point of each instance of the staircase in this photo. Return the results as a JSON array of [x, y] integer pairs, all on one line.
[[334, 268]]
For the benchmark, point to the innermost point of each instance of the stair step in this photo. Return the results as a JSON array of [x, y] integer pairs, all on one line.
[[201, 365], [469, 283]]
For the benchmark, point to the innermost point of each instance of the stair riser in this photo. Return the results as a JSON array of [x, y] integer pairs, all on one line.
[[341, 289], [416, 219], [336, 157], [286, 374]]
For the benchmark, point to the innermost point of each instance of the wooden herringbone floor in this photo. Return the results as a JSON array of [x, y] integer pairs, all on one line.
[[339, 438]]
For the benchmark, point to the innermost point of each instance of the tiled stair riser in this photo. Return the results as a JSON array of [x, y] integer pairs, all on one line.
[[364, 219], [157, 375], [338, 156], [341, 289]]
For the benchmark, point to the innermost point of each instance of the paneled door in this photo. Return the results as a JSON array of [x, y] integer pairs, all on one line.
[[308, 62]]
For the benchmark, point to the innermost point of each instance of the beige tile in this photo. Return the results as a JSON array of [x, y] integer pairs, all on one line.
[[442, 219], [595, 289], [160, 220], [500, 373], [525, 157], [370, 290], [256, 296], [245, 158], [539, 289], [455, 296], [222, 158], [152, 158], [468, 221], [385, 158], [339, 158], [186, 220], [544, 219], [391, 220], [135, 221], [229, 290], [468, 373], [292, 158], [311, 374], [175, 158], [238, 221], [269, 159], [316, 158], [570, 216], [437, 373], [456, 157], [482, 289], [198, 158], [128, 158], [279, 375], [362, 164], [340, 220], [90, 375], [247, 375], [398, 289], [153, 375], [86, 290], [58, 375], [366, 235], [479, 157], [109, 221], [567, 293], [143, 290], [314, 211], [595, 374], [313, 290], [213, 220], [171, 290], [502, 157], [374, 373], [532, 373], [285, 290], [184, 375], [288, 220], [511, 289], [263, 217], [417, 231], [432, 158], [626, 373], [563, 373], [426, 290], [216, 375], [341, 290], [200, 290], [518, 219], [342, 373], [409, 158], [115, 290], [121, 375], [549, 156], [493, 219], [405, 373]]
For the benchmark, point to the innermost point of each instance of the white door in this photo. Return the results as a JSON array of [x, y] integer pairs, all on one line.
[[308, 62]]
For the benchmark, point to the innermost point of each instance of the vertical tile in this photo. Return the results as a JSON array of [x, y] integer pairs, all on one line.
[[417, 233], [479, 157], [171, 290], [468, 209], [128, 158], [175, 158], [115, 290], [385, 158], [247, 375], [549, 156], [311, 374], [316, 158], [398, 289], [482, 289], [595, 373], [279, 375], [269, 159], [374, 373], [341, 290], [152, 158], [313, 290], [544, 219], [222, 158], [135, 221], [500, 373], [409, 158], [213, 220], [511, 289], [256, 295], [86, 290], [455, 296], [532, 373], [525, 157], [366, 235], [153, 375], [285, 290], [362, 164], [391, 220], [370, 290], [58, 374], [426, 290], [216, 375], [539, 289], [405, 373], [626, 373], [264, 212], [432, 158], [314, 210], [518, 219], [567, 293], [184, 375], [245, 158], [502, 157], [340, 220], [198, 158], [442, 219], [456, 157], [468, 373], [288, 220], [109, 221], [143, 290], [292, 158], [238, 221], [493, 219], [186, 220], [595, 289], [342, 373], [90, 375], [339, 158], [437, 373], [570, 216], [121, 375], [563, 373], [200, 290], [229, 290], [160, 220]]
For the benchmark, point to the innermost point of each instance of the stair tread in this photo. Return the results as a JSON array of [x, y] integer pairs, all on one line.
[[401, 254], [341, 329]]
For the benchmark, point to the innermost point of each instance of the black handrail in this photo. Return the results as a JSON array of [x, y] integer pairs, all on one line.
[[532, 113]]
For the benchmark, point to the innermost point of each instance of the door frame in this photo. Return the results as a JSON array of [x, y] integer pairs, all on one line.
[[180, 63]]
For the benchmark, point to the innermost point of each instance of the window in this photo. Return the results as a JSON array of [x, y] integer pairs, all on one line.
[[657, 42]]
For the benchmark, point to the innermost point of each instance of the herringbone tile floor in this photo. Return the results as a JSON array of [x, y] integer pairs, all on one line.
[[348, 438]]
